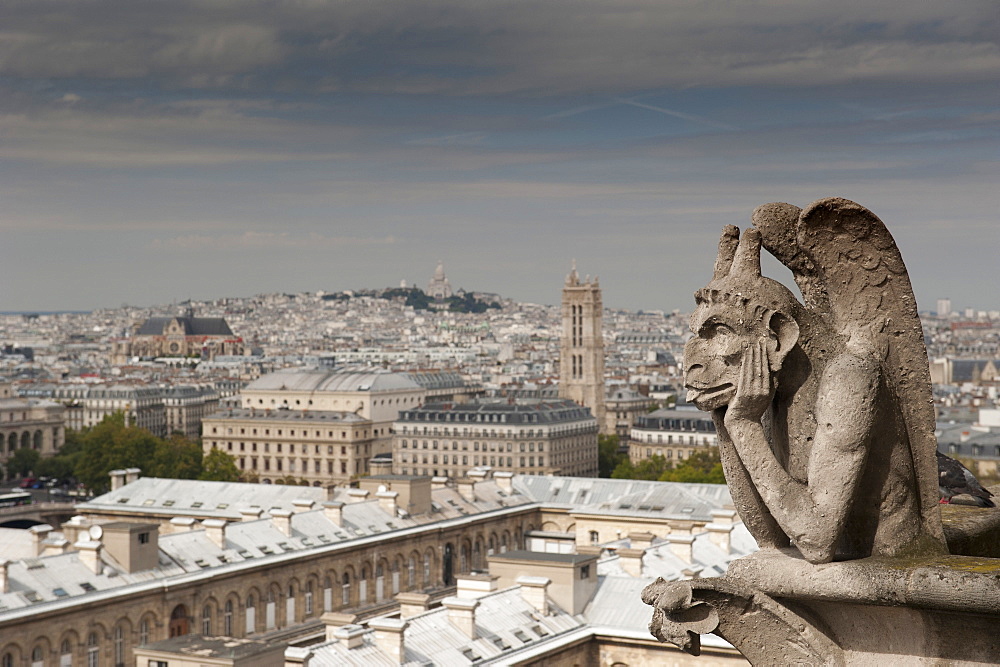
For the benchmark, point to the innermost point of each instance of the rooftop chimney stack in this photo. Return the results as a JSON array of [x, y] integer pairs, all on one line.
[[439, 482], [117, 479], [535, 591], [215, 530], [467, 489], [4, 581], [250, 513], [132, 475], [721, 529], [389, 636], [302, 505], [181, 524], [357, 495], [334, 511], [682, 546], [505, 481], [387, 501], [89, 552], [462, 614], [282, 520], [352, 635], [38, 535]]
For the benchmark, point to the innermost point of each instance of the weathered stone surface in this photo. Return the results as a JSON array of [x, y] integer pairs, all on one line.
[[823, 408]]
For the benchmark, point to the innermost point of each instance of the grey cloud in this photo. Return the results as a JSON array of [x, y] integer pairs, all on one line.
[[458, 47]]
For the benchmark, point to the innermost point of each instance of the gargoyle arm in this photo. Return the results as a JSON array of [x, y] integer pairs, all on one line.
[[812, 514]]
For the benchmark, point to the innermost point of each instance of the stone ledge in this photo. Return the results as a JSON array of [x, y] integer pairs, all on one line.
[[951, 583]]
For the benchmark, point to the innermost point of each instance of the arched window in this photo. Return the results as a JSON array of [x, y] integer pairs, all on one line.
[[119, 646], [327, 594], [427, 569], [411, 572], [179, 622], [7, 660], [251, 618], [379, 583], [290, 606], [206, 620], [363, 585], [227, 619], [309, 598], [346, 590], [93, 651], [270, 622], [37, 657], [66, 654], [144, 632]]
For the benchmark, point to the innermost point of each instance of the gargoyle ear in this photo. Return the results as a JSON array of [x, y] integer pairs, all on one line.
[[786, 334]]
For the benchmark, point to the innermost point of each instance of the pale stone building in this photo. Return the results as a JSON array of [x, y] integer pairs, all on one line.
[[261, 570], [555, 436], [581, 346], [438, 288], [623, 406], [673, 434], [186, 405], [376, 396], [29, 423], [322, 447]]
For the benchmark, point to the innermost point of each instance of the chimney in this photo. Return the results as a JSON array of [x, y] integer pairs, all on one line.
[[250, 513], [641, 540], [55, 546], [438, 483], [132, 474], [681, 546], [282, 520], [693, 572], [467, 489], [679, 527], [357, 495], [297, 655], [411, 604], [215, 530], [472, 586], [181, 524], [462, 614], [331, 492], [389, 636], [631, 561], [38, 535], [505, 481], [721, 528], [334, 511], [117, 479], [4, 581], [74, 528], [334, 620], [478, 474], [89, 553], [352, 635], [387, 501], [535, 592], [302, 505]]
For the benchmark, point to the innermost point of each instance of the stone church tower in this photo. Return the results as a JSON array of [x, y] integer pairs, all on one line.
[[581, 347]]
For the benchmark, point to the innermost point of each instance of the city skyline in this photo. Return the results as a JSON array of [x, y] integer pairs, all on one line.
[[153, 153]]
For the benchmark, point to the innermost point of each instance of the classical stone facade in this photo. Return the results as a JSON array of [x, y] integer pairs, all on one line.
[[323, 447], [672, 434], [581, 346], [29, 423], [377, 396], [522, 436], [622, 407]]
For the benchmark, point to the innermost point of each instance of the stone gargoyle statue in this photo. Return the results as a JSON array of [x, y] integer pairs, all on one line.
[[822, 406]]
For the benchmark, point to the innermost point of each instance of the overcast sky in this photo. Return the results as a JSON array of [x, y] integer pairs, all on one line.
[[163, 150]]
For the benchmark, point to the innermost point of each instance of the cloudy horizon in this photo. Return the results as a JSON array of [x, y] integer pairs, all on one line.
[[160, 151]]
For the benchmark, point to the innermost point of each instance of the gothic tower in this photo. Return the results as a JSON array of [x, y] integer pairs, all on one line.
[[581, 347]]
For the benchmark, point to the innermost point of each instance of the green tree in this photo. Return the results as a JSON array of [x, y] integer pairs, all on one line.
[[703, 467], [111, 445], [24, 461], [651, 468], [218, 466], [175, 458], [608, 454]]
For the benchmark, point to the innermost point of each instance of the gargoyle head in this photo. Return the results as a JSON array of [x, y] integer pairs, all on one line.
[[738, 308]]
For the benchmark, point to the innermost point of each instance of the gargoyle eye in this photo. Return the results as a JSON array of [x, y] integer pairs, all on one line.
[[713, 328]]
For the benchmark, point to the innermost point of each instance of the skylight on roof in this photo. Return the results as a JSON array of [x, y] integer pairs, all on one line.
[[87, 587], [60, 592], [196, 505], [168, 503], [122, 501], [148, 502]]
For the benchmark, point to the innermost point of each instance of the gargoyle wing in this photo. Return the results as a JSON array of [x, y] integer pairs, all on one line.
[[857, 266]]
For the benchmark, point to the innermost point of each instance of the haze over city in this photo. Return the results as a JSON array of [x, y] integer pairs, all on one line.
[[154, 152]]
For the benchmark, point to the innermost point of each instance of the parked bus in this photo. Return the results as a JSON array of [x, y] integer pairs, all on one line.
[[15, 498]]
